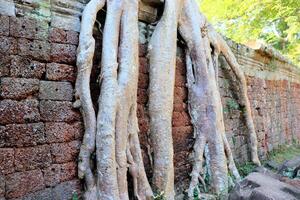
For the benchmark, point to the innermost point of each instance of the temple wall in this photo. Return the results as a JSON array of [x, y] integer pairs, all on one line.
[[40, 132]]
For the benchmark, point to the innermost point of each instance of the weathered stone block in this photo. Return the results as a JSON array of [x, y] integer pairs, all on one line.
[[63, 53], [24, 111], [60, 72], [4, 28], [58, 111], [2, 186], [66, 22], [143, 81], [32, 157], [18, 88], [22, 183], [4, 64], [63, 36], [46, 194], [24, 134], [181, 119], [3, 136], [26, 68], [144, 66], [6, 160], [142, 50], [36, 49], [65, 152], [67, 189], [63, 132], [182, 138], [7, 8], [8, 45], [57, 173], [50, 90], [142, 96], [180, 67], [24, 27], [180, 94], [180, 80]]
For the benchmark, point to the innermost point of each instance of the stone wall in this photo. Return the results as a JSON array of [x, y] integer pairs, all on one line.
[[40, 132]]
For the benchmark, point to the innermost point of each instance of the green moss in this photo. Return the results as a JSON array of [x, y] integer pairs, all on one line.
[[231, 105], [246, 168], [284, 153]]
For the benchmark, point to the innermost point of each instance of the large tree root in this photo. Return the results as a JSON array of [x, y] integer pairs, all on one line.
[[162, 54], [220, 46], [205, 105], [113, 134]]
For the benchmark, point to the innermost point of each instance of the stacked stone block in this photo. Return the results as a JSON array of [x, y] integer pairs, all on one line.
[[40, 132]]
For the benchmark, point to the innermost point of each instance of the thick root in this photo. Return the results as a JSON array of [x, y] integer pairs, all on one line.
[[85, 55], [108, 104], [221, 46], [205, 105], [162, 53]]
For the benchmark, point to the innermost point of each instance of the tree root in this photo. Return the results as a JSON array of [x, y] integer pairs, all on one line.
[[113, 134], [205, 105], [162, 54]]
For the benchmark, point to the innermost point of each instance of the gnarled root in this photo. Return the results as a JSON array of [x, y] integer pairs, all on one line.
[[85, 55], [205, 105], [221, 46], [162, 53]]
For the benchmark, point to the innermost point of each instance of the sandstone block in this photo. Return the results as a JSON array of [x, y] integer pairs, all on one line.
[[6, 160], [24, 111], [58, 111], [18, 88], [51, 90], [63, 53], [24, 27], [22, 183], [26, 68], [63, 36], [63, 132], [65, 152], [58, 173], [4, 29], [60, 72], [32, 157], [8, 45], [36, 49]]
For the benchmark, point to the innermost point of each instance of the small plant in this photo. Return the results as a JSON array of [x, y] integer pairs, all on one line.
[[246, 168], [75, 196], [196, 193], [160, 196], [232, 105]]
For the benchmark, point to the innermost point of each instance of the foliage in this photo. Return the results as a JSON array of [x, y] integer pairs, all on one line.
[[75, 196], [276, 22], [160, 196], [246, 168]]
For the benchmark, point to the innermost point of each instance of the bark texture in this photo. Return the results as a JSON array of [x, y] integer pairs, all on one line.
[[162, 53], [112, 135]]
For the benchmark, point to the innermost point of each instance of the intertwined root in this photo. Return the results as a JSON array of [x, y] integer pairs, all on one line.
[[113, 134]]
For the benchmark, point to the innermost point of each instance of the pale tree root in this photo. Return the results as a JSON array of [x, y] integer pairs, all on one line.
[[162, 55], [220, 46], [85, 56], [205, 105], [114, 132]]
